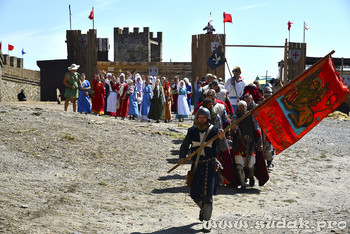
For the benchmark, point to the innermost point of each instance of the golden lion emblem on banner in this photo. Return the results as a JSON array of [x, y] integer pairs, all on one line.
[[308, 93]]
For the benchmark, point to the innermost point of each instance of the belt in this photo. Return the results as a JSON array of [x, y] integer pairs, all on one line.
[[248, 138], [205, 160]]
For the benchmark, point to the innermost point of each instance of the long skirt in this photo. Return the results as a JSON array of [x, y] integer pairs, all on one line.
[[84, 104], [182, 107], [111, 103]]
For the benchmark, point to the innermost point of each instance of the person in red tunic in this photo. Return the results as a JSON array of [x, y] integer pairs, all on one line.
[[98, 97], [217, 101], [123, 98], [253, 90]]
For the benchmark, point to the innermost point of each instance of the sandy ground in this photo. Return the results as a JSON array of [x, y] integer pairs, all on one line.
[[65, 172]]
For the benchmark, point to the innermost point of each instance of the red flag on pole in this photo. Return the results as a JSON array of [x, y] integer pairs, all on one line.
[[298, 107], [0, 45], [289, 25], [91, 16], [11, 47], [227, 18]]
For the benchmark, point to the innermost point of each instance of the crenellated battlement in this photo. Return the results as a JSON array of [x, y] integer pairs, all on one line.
[[136, 30], [13, 78], [13, 61], [137, 46]]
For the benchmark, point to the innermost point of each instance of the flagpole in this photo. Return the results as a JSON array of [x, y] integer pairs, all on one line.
[[289, 35], [22, 64], [234, 86], [70, 18], [304, 33], [8, 52], [224, 30], [285, 63], [93, 19]]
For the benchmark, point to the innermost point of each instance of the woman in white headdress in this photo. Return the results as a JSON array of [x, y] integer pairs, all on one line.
[[146, 99], [138, 89], [123, 98], [189, 92], [182, 106], [112, 94]]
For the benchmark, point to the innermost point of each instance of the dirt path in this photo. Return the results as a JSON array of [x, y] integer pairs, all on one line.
[[65, 172]]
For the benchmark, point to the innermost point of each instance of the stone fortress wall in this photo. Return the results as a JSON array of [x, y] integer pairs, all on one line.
[[13, 78]]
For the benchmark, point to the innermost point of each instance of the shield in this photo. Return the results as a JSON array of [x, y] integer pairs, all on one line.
[[346, 80], [214, 45], [153, 71], [217, 58], [295, 55], [83, 41]]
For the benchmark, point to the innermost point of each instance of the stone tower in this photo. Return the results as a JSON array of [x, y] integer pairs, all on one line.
[[137, 46], [102, 49]]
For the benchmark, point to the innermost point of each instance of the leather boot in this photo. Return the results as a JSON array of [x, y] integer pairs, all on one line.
[[207, 210], [199, 204], [269, 165], [251, 177], [241, 176]]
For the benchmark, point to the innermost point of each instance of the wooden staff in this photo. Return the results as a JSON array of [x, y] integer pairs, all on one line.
[[234, 85], [212, 139]]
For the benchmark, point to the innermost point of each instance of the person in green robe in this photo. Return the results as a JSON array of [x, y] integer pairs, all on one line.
[[72, 83], [156, 111]]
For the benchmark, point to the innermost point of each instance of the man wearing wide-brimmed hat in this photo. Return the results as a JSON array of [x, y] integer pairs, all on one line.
[[235, 87], [72, 83]]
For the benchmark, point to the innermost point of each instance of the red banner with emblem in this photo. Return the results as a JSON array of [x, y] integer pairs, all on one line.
[[298, 107]]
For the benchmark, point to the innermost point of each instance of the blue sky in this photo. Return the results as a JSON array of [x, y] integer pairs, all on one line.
[[40, 27]]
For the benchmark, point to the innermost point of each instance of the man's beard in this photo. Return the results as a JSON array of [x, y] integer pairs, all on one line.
[[202, 126], [242, 112]]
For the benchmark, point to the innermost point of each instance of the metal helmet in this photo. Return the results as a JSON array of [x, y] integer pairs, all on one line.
[[203, 111], [268, 91]]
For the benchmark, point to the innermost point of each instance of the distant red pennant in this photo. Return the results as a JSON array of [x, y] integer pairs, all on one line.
[[91, 16], [11, 47], [227, 18]]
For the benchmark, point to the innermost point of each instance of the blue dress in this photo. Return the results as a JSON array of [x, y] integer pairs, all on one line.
[[133, 106], [84, 104], [146, 100]]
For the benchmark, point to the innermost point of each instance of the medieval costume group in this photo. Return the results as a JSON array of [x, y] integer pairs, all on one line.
[[234, 158], [146, 98]]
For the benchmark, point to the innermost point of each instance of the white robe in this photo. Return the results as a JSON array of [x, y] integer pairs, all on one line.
[[111, 100], [182, 105]]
